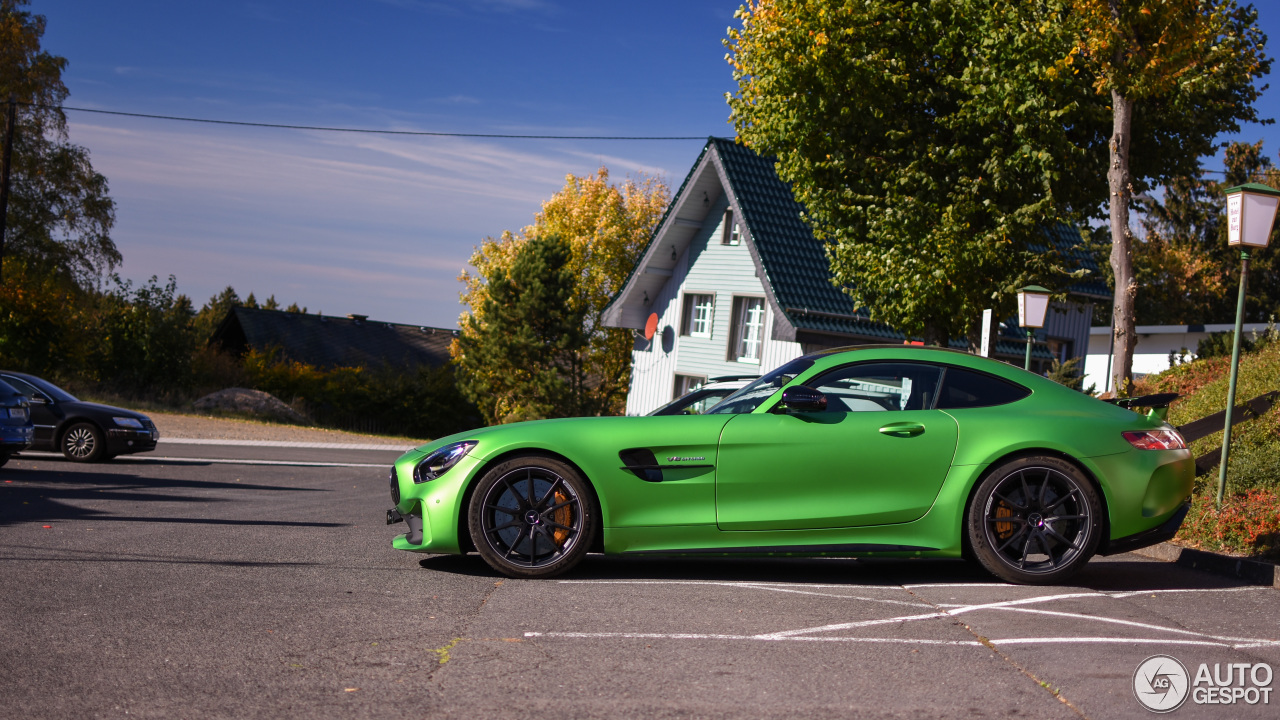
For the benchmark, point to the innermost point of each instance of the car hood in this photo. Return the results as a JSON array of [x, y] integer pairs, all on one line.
[[92, 407], [598, 433]]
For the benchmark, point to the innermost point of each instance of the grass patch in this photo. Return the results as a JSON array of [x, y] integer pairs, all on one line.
[[1249, 521]]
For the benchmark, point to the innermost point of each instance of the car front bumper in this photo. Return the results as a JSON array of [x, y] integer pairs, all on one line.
[[121, 441]]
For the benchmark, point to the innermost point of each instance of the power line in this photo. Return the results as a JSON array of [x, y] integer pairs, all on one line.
[[366, 131]]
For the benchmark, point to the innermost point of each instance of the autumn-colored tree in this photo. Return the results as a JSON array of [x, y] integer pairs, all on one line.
[[1175, 74], [931, 143], [1185, 269], [605, 226]]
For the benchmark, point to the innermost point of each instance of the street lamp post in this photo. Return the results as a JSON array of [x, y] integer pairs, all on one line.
[[1251, 211], [1033, 303]]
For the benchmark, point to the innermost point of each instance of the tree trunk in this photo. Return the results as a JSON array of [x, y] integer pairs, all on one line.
[[1122, 316], [935, 333]]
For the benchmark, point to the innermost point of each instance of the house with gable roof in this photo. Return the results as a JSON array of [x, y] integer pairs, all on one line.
[[739, 285]]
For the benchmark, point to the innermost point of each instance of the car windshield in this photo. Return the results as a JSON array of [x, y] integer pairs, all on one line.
[[749, 398], [694, 403], [44, 386]]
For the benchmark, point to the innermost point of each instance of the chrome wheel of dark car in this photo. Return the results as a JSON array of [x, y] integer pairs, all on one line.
[[83, 443], [1035, 520], [531, 517]]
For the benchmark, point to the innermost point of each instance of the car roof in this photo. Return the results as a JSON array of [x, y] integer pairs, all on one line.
[[885, 346]]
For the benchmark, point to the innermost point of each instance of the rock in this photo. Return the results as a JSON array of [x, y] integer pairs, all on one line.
[[250, 402]]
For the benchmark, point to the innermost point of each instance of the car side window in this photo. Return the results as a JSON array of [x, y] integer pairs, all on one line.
[[23, 387], [877, 386], [963, 388]]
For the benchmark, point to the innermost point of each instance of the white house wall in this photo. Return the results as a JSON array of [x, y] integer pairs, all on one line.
[[712, 268]]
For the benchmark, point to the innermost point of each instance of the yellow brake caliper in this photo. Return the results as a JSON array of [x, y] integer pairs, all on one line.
[[1004, 529], [563, 516]]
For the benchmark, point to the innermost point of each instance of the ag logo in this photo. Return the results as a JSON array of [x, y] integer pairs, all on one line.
[[1161, 683]]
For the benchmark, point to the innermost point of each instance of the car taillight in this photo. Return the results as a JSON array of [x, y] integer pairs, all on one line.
[[1156, 440]]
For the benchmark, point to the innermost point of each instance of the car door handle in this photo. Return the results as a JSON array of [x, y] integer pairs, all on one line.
[[903, 429]]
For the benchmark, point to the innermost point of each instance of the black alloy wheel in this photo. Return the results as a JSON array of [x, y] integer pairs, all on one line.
[[532, 517], [82, 442], [1034, 520]]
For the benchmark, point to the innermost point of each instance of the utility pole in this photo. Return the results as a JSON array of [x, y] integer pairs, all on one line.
[[5, 161]]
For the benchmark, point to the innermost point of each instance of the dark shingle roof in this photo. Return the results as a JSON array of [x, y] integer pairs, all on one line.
[[327, 341], [796, 266]]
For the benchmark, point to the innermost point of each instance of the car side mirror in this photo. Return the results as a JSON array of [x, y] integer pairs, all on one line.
[[804, 399]]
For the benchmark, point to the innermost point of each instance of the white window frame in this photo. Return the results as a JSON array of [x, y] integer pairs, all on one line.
[[697, 314], [685, 383], [749, 315], [731, 233]]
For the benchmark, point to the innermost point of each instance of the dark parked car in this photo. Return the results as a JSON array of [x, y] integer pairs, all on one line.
[[82, 431], [15, 422]]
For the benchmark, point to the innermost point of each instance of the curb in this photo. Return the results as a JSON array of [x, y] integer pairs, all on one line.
[[1254, 571]]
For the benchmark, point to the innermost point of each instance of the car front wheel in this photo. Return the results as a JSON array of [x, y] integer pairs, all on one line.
[[1034, 520], [532, 517], [82, 442]]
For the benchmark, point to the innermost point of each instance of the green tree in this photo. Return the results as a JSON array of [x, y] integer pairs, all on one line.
[[930, 143], [606, 227], [60, 214], [1174, 74], [145, 336], [525, 362], [214, 312]]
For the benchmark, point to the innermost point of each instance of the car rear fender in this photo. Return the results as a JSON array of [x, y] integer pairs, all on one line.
[[1082, 466]]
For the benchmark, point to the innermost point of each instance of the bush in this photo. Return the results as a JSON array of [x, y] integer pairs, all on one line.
[[1248, 523], [423, 402]]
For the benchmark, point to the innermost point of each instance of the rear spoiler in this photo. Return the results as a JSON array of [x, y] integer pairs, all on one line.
[[1159, 404], [1160, 400]]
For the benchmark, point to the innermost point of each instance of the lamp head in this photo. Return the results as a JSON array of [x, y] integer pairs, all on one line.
[[1251, 212], [1033, 303]]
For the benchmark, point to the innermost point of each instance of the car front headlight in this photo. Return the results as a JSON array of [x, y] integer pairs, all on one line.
[[440, 460], [134, 423]]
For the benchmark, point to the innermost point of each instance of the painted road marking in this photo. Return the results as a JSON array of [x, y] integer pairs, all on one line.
[[286, 444], [945, 611], [771, 587], [29, 455]]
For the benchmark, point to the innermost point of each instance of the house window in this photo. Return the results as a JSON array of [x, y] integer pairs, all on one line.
[[686, 383], [696, 320], [730, 234], [748, 329]]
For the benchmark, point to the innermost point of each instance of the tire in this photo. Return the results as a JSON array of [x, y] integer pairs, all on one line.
[[532, 517], [83, 442], [4, 458], [1034, 521]]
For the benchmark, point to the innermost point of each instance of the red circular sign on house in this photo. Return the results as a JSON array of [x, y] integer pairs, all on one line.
[[651, 326]]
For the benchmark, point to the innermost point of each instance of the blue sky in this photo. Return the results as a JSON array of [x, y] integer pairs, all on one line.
[[381, 225]]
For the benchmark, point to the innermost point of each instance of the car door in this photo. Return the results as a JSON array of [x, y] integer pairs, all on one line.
[[44, 416], [878, 453]]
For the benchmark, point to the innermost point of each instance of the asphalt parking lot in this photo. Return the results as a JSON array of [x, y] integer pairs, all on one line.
[[238, 582]]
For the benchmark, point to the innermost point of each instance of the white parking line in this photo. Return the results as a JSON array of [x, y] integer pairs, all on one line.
[[812, 634], [29, 455], [771, 587], [286, 444]]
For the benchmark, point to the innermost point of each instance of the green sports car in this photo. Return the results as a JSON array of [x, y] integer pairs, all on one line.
[[884, 451]]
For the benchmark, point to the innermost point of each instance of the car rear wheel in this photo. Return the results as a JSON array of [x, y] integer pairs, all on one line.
[[532, 517], [4, 458], [1034, 520], [82, 442]]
